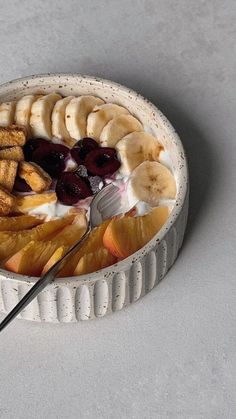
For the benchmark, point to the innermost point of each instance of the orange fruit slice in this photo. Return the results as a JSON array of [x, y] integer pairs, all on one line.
[[92, 262], [32, 258], [22, 222], [11, 242], [93, 242], [59, 252], [124, 236]]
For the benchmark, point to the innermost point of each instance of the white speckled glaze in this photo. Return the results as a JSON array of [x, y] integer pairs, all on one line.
[[94, 295]]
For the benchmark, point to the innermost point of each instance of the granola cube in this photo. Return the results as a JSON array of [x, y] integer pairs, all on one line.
[[7, 201], [35, 176], [8, 170], [12, 135], [12, 153]]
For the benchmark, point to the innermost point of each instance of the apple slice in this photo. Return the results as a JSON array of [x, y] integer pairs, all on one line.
[[124, 236]]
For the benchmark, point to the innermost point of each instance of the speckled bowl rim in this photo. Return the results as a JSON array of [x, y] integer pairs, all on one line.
[[180, 198]]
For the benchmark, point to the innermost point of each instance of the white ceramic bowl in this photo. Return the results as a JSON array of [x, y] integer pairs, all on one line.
[[110, 289]]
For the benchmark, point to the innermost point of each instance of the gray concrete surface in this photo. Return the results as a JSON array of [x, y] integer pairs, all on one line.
[[171, 355]]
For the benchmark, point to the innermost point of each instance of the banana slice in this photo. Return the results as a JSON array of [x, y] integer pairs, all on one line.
[[40, 118], [117, 128], [58, 121], [23, 110], [7, 111], [77, 112], [100, 116], [151, 181], [135, 148]]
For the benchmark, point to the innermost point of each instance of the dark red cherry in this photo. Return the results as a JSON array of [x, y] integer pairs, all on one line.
[[82, 148], [96, 183], [70, 188], [51, 158], [102, 161], [32, 145], [20, 185]]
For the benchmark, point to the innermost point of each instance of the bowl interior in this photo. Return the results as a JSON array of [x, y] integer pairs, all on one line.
[[146, 112]]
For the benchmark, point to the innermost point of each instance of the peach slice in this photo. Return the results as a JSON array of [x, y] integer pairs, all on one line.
[[69, 235], [26, 202], [124, 236], [39, 252], [73, 232], [66, 238], [79, 221], [31, 259], [92, 244], [22, 222], [12, 242], [92, 262], [59, 252]]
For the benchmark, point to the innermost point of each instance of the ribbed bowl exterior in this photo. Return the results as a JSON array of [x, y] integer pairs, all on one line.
[[95, 295], [70, 302]]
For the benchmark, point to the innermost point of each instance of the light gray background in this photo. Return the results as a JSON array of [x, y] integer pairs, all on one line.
[[171, 355]]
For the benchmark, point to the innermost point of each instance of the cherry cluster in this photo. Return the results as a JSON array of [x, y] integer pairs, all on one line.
[[94, 164]]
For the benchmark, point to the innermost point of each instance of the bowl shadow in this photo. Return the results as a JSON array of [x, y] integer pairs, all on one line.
[[202, 160]]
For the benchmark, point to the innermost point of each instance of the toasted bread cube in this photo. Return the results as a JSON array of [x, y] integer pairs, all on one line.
[[12, 153], [24, 203], [35, 176], [7, 202], [8, 170], [12, 135]]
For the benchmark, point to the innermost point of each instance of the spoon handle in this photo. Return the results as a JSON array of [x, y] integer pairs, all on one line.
[[43, 281]]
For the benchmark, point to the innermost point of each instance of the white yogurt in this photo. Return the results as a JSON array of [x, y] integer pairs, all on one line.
[[70, 165], [164, 158], [128, 199], [51, 210]]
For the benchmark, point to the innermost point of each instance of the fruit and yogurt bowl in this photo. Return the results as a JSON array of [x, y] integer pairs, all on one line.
[[60, 144], [71, 148]]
